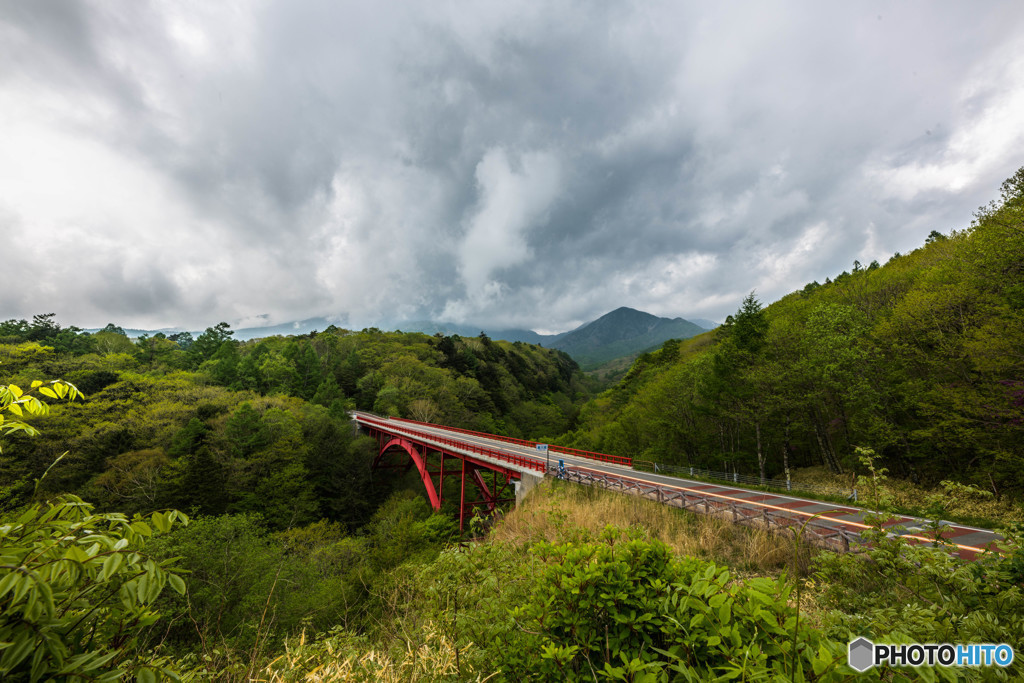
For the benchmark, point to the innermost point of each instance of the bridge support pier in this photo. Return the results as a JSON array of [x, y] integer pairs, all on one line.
[[525, 485]]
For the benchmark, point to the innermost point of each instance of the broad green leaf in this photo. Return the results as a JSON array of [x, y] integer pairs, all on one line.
[[111, 565], [8, 582], [141, 528], [46, 593], [725, 613], [127, 593], [76, 554], [161, 522], [176, 583]]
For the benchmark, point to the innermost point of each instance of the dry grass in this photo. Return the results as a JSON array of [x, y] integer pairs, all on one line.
[[436, 658], [557, 512]]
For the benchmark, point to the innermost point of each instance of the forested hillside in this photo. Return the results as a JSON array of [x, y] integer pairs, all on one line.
[[219, 426], [289, 529], [920, 359]]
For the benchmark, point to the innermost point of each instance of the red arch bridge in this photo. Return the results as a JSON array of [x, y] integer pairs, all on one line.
[[491, 470]]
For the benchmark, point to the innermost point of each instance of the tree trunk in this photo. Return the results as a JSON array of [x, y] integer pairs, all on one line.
[[828, 456], [785, 454], [760, 453]]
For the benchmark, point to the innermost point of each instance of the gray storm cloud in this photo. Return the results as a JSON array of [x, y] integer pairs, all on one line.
[[501, 163]]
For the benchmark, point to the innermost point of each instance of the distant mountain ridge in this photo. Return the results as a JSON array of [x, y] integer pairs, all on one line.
[[243, 333], [622, 332], [511, 334], [704, 322]]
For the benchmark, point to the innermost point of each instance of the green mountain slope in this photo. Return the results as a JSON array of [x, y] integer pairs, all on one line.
[[622, 332]]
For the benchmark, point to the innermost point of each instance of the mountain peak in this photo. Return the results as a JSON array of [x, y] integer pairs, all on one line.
[[627, 313], [620, 333]]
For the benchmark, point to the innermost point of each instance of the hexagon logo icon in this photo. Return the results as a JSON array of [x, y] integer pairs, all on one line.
[[861, 656]]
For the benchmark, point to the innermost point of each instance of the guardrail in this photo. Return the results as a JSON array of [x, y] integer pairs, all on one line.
[[511, 458], [591, 455], [750, 513]]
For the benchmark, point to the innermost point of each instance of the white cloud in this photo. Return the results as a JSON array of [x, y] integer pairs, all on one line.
[[985, 140], [513, 201]]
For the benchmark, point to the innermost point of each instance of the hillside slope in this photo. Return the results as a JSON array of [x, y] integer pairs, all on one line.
[[622, 332]]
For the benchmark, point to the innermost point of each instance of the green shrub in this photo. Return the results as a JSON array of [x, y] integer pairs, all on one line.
[[630, 611], [896, 592], [77, 593]]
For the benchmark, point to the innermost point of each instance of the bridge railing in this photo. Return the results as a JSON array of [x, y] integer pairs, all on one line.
[[602, 457], [511, 458]]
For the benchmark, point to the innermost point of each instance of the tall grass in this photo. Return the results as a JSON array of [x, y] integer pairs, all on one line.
[[408, 644], [435, 658], [559, 512]]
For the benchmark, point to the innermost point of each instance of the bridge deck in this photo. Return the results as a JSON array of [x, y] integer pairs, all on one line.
[[841, 522]]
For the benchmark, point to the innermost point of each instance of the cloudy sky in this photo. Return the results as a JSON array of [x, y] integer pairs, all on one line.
[[500, 163]]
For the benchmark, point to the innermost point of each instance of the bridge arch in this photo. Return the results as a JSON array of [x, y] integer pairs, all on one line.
[[467, 471], [419, 460]]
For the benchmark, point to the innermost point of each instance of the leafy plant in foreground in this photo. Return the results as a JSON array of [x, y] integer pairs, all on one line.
[[630, 611], [77, 592], [897, 592], [14, 401]]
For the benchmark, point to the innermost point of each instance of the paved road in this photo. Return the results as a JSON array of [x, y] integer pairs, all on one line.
[[968, 541]]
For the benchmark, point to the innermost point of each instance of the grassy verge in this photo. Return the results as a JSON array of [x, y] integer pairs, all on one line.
[[455, 618], [903, 498], [558, 512]]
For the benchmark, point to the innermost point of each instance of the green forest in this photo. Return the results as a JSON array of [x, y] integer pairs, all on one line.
[[218, 426], [199, 508], [920, 359]]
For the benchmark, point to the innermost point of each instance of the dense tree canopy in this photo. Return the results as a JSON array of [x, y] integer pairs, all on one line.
[[221, 426]]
